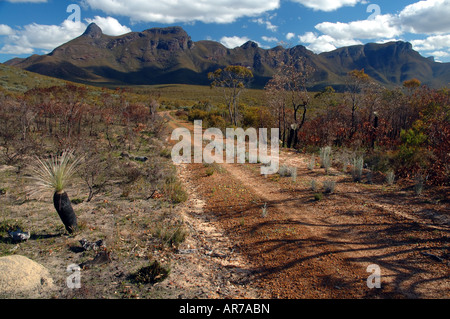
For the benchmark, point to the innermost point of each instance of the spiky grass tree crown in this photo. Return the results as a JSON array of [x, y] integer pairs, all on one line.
[[56, 172]]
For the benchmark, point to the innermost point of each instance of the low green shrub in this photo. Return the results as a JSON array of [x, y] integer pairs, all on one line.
[[329, 187], [287, 171], [175, 191], [172, 235], [9, 225]]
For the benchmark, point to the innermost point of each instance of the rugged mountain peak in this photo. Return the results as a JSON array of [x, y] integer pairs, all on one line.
[[170, 38], [406, 46], [249, 44], [93, 31], [168, 55], [168, 31]]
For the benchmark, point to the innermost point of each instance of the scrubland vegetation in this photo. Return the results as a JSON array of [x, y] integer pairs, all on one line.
[[114, 161], [126, 188], [402, 132]]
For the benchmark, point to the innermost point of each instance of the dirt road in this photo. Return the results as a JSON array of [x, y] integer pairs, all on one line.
[[304, 248]]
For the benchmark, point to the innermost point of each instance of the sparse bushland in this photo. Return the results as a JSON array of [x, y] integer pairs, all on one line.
[[112, 133], [404, 129], [97, 126], [117, 143]]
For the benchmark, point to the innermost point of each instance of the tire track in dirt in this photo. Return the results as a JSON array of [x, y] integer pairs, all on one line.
[[354, 254], [314, 250], [313, 234], [207, 264]]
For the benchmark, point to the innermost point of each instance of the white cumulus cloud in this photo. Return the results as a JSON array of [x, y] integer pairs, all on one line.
[[269, 39], [325, 43], [267, 23], [170, 11], [430, 17], [42, 37], [335, 35], [327, 5], [290, 36], [432, 43], [382, 26], [6, 29], [234, 41], [16, 49], [109, 26], [440, 54], [45, 38]]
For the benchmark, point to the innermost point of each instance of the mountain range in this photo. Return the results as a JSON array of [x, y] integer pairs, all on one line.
[[169, 56]]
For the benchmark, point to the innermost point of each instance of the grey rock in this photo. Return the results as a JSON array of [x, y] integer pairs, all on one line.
[[19, 235]]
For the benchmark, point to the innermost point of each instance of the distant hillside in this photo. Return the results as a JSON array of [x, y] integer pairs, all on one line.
[[19, 81], [169, 56]]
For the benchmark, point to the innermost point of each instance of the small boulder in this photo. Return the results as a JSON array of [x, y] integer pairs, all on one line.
[[91, 245], [19, 275], [19, 236]]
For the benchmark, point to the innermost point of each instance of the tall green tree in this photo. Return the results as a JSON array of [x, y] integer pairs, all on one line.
[[233, 80]]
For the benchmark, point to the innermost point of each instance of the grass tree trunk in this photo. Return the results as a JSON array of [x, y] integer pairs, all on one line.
[[65, 211]]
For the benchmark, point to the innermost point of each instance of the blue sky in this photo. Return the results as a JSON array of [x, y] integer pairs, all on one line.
[[38, 26]]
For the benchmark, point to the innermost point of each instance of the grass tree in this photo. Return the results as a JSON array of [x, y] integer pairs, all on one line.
[[55, 174]]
